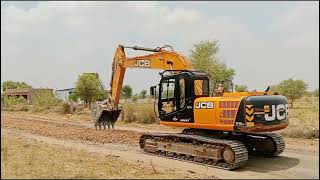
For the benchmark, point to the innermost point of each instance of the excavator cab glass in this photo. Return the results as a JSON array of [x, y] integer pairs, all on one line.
[[168, 95], [177, 93]]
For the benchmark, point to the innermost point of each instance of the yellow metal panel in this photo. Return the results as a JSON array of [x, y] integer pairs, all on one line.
[[204, 115]]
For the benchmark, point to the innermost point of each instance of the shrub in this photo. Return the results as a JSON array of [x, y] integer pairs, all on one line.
[[134, 98], [140, 113], [130, 114], [13, 103], [23, 107], [65, 107], [43, 100]]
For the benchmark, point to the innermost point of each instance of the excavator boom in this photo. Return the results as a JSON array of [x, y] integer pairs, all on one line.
[[163, 58]]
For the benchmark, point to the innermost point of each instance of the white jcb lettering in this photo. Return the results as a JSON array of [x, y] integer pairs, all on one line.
[[280, 111], [143, 63], [281, 108], [204, 105], [273, 114], [287, 109]]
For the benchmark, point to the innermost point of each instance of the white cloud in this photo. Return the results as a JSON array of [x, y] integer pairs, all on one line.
[[50, 44]]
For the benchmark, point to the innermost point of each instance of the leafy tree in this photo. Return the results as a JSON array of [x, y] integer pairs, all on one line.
[[241, 88], [126, 92], [292, 89], [204, 57], [143, 94], [88, 88], [73, 97], [14, 85]]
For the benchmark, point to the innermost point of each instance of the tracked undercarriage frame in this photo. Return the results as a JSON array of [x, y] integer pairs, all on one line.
[[227, 151]]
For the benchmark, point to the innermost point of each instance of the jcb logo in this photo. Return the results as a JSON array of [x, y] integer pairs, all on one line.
[[143, 63], [204, 105], [280, 111]]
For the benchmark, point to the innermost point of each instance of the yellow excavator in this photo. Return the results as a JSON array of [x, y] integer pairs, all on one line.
[[221, 129]]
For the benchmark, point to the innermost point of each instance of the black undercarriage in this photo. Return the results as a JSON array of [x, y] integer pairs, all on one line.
[[226, 150]]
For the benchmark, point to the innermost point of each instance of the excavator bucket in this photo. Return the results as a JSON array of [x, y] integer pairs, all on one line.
[[102, 116]]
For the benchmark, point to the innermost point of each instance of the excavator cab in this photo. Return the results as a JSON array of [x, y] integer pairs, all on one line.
[[177, 92]]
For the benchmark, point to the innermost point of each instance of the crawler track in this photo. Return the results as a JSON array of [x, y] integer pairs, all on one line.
[[149, 141], [277, 140]]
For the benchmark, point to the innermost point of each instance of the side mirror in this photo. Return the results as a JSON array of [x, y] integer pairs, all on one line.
[[152, 90]]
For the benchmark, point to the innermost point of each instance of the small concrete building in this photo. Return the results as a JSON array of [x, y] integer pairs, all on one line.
[[63, 94], [27, 93]]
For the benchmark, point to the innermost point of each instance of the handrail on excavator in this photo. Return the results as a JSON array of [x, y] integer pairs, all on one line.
[[158, 49]]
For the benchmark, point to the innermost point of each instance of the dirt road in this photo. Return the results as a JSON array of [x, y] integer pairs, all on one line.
[[299, 160]]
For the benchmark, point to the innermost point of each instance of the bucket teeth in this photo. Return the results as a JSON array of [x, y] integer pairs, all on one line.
[[103, 117]]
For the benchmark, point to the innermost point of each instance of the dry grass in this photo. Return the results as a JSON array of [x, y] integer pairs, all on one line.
[[25, 158], [303, 119], [141, 113]]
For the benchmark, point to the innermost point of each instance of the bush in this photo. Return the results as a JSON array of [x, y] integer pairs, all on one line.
[[130, 114], [23, 107], [140, 113], [13, 103], [65, 108], [134, 98], [43, 100]]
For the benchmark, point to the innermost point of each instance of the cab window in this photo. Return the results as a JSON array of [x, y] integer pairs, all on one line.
[[201, 87], [182, 92], [168, 103]]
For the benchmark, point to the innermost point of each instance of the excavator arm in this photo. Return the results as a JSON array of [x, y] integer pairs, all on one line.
[[164, 58], [160, 59]]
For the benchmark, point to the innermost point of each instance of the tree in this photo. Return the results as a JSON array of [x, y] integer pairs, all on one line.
[[204, 57], [126, 92], [292, 89], [73, 97], [143, 94], [14, 85], [88, 88], [240, 88]]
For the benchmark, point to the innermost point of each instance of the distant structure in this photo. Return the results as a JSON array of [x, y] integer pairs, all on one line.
[[26, 93], [63, 94]]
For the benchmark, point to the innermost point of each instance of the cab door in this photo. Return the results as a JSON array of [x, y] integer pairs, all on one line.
[[168, 99], [175, 102], [185, 104]]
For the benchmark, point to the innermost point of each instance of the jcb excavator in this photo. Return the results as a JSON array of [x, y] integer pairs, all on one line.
[[220, 129]]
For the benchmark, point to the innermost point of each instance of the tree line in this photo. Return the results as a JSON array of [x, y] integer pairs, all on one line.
[[204, 57]]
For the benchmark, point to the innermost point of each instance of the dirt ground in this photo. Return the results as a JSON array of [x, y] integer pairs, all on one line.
[[43, 159], [299, 160]]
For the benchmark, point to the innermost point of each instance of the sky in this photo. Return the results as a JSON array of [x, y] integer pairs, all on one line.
[[48, 44]]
